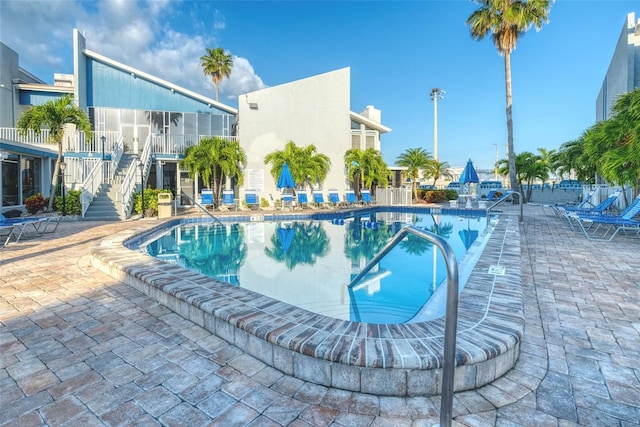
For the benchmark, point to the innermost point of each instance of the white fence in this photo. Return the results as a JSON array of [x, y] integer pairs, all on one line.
[[390, 196]]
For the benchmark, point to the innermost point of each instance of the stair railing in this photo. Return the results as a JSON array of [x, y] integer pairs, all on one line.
[[130, 182], [451, 316], [507, 196], [116, 155], [91, 186]]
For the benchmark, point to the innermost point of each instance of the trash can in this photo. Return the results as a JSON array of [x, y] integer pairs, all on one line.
[[164, 205]]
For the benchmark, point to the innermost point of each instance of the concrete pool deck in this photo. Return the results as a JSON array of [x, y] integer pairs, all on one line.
[[81, 348]]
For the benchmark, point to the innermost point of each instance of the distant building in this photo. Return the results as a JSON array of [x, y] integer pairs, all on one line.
[[142, 120], [623, 74]]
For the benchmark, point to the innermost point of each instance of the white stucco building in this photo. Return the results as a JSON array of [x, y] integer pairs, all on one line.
[[315, 110], [623, 74]]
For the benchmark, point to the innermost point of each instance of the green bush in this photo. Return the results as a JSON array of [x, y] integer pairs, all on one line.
[[72, 204], [264, 203], [150, 201], [450, 194], [35, 203], [435, 196]]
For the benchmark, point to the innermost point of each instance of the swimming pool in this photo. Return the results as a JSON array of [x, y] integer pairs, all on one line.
[[382, 359], [310, 263]]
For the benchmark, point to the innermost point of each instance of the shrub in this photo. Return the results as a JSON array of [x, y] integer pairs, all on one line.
[[35, 203], [451, 194], [264, 203], [72, 204], [150, 201], [435, 196]]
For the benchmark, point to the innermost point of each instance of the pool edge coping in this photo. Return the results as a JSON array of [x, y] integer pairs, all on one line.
[[342, 354]]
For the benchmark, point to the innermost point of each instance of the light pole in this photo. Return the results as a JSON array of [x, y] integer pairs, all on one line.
[[63, 166], [141, 166], [435, 94]]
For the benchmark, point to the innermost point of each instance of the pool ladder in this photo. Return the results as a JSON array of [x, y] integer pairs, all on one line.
[[451, 316]]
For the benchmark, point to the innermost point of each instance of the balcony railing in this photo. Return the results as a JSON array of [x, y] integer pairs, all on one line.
[[176, 145]]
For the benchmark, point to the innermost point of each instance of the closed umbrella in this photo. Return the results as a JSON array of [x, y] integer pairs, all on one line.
[[469, 174], [286, 238], [285, 180]]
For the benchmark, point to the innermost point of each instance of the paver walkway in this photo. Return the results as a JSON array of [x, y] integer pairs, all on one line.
[[78, 348]]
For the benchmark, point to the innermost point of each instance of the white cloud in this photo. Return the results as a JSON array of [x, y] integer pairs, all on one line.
[[142, 34], [243, 79]]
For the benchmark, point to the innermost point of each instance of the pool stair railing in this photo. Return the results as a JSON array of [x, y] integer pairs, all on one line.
[[508, 195], [201, 207], [451, 316]]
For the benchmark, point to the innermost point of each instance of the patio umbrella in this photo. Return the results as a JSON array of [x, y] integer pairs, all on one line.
[[285, 180], [286, 237], [468, 237], [469, 174]]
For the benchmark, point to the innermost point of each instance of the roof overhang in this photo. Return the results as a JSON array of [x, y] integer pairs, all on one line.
[[369, 123], [159, 81], [40, 150], [36, 87]]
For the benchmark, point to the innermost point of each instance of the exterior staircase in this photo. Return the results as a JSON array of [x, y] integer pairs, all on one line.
[[106, 205]]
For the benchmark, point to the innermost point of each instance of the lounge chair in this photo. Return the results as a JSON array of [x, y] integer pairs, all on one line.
[[206, 197], [318, 199], [17, 229], [591, 224], [599, 209], [287, 201], [334, 198], [228, 200], [251, 199], [303, 199], [350, 198], [366, 196]]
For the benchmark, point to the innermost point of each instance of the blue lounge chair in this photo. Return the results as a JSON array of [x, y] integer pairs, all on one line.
[[591, 225], [206, 197], [17, 229], [251, 199], [287, 201], [18, 226], [318, 199], [366, 196], [228, 200], [334, 198], [303, 199], [601, 208], [350, 198]]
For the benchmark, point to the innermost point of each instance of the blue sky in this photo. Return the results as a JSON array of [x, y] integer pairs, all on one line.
[[397, 51]]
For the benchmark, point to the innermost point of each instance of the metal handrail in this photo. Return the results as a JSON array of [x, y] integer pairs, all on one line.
[[451, 316], [202, 208], [502, 199]]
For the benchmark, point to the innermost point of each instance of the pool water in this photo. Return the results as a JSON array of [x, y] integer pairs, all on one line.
[[310, 263]]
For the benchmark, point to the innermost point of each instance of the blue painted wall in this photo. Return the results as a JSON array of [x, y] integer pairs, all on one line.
[[28, 97], [114, 88]]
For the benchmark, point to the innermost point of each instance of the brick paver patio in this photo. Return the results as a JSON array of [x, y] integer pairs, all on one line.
[[78, 348]]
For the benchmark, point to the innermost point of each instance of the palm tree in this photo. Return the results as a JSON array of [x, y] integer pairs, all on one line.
[[439, 170], [415, 160], [365, 168], [217, 64], [307, 166], [530, 167], [507, 21], [55, 114], [215, 159]]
